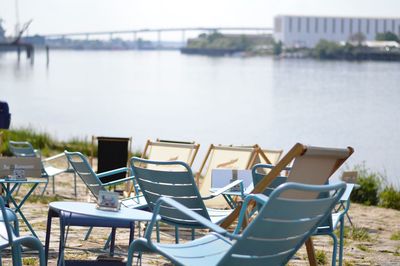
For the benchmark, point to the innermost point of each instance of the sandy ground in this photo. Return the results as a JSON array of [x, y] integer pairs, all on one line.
[[367, 243]]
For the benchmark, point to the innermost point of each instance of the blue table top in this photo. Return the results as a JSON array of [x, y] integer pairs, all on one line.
[[89, 209], [27, 181]]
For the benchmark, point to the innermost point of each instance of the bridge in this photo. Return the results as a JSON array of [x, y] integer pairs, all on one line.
[[263, 30]]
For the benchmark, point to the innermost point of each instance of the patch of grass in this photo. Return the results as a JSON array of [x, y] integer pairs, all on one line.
[[45, 199], [321, 257], [30, 261], [395, 236], [348, 263], [363, 248], [360, 234], [390, 198]]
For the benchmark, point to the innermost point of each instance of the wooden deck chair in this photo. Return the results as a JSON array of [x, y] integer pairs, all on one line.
[[269, 156], [311, 165], [170, 150], [165, 150], [228, 157]]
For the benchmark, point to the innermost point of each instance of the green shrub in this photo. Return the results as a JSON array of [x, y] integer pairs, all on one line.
[[370, 184], [390, 198]]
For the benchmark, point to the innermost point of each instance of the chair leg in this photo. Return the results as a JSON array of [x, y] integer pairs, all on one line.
[[334, 251], [158, 231], [54, 185], [193, 234], [176, 235], [75, 192], [16, 255], [341, 241], [45, 187]]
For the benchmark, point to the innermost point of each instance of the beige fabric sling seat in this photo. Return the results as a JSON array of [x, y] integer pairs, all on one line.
[[311, 165], [223, 157], [168, 150]]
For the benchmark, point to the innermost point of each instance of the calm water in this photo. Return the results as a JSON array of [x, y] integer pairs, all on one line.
[[274, 103]]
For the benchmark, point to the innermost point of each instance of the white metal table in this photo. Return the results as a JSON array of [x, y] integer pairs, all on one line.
[[86, 214]]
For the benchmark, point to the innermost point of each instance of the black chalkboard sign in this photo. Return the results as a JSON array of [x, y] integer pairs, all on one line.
[[112, 154]]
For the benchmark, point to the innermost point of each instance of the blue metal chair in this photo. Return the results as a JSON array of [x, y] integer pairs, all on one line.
[[49, 168], [9, 237], [284, 222], [94, 184], [327, 227], [174, 179], [92, 180]]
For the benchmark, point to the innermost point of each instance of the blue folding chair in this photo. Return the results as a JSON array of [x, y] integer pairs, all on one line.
[[49, 167], [174, 179], [284, 222], [9, 237]]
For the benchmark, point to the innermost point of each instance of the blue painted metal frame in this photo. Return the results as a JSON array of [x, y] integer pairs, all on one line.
[[13, 240], [318, 210], [162, 177], [9, 190]]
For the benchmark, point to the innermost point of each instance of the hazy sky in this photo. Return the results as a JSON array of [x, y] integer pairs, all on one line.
[[61, 16]]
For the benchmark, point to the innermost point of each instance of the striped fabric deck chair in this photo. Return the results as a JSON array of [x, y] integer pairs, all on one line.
[[175, 180], [285, 221], [223, 157], [170, 150], [310, 165]]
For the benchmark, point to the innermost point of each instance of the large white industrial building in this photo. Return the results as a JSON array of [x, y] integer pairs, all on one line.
[[307, 31]]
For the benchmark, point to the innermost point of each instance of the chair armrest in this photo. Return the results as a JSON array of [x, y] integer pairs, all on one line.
[[181, 208], [119, 181], [347, 192], [259, 198], [225, 188], [113, 172], [54, 157]]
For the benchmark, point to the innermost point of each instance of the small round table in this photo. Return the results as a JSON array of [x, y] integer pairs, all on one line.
[[86, 214]]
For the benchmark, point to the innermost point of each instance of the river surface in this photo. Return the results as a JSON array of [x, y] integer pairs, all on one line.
[[229, 100]]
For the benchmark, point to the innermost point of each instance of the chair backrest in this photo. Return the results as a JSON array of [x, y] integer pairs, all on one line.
[[258, 173], [283, 225], [168, 150], [25, 149], [82, 167], [22, 149], [176, 182], [223, 157]]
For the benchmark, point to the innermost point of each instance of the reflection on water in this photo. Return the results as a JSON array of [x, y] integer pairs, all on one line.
[[275, 103]]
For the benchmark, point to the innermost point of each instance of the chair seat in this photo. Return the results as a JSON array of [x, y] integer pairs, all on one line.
[[52, 171], [327, 228], [207, 250], [137, 203], [218, 215]]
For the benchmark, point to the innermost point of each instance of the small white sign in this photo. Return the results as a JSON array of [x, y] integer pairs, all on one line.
[[108, 201]]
